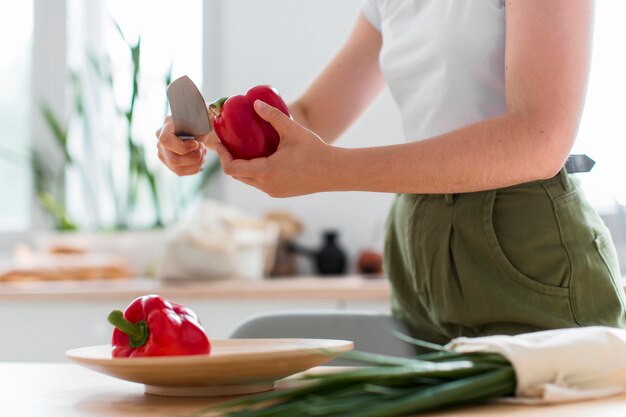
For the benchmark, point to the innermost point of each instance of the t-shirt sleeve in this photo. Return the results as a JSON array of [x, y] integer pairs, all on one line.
[[371, 11]]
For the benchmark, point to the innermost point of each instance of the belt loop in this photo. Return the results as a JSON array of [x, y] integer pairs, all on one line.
[[564, 177], [448, 199]]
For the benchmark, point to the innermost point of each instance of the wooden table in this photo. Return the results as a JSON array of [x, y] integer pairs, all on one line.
[[67, 390]]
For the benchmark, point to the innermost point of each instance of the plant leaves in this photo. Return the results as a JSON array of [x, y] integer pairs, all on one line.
[[59, 132], [56, 210], [119, 30], [168, 81]]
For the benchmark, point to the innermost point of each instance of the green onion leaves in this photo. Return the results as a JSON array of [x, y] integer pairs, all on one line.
[[386, 386]]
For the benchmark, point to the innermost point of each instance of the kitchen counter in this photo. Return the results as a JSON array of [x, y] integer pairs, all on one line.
[[66, 390], [70, 314], [352, 287]]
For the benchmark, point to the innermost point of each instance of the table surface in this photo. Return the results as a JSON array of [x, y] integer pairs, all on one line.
[[67, 390]]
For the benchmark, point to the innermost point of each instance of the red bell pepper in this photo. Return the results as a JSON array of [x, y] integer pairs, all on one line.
[[241, 129], [152, 326]]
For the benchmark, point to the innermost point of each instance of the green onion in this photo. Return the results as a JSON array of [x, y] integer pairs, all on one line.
[[388, 386]]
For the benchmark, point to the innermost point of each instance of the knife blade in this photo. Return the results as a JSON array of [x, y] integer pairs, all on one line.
[[189, 112]]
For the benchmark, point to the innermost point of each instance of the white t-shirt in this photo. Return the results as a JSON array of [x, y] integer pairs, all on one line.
[[443, 61]]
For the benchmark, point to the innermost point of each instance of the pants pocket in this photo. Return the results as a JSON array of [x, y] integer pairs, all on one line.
[[523, 236], [483, 292]]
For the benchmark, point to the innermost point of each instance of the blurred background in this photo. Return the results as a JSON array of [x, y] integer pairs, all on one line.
[[75, 59], [83, 91]]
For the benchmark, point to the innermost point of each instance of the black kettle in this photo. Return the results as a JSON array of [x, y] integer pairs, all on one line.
[[329, 259]]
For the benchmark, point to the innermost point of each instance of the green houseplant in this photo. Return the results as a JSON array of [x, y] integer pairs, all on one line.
[[110, 193], [124, 180]]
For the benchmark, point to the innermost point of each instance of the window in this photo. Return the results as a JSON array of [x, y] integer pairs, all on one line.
[[167, 37], [602, 131], [15, 188]]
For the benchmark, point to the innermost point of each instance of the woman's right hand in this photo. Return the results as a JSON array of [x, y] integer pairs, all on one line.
[[183, 157]]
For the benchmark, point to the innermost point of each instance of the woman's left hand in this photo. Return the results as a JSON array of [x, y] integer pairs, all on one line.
[[301, 164]]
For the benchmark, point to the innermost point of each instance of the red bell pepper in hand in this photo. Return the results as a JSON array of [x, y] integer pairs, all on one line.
[[152, 326], [240, 129]]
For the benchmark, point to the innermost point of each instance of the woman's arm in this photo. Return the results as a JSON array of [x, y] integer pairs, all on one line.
[[548, 46], [346, 86]]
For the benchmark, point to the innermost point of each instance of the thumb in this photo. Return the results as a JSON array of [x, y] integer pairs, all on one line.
[[279, 120]]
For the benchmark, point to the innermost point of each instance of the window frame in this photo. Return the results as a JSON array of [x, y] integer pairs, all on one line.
[[48, 84], [48, 74]]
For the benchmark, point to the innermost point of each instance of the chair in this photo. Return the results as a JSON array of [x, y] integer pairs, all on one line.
[[370, 332]]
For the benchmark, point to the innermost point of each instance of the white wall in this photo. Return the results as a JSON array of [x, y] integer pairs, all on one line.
[[286, 44]]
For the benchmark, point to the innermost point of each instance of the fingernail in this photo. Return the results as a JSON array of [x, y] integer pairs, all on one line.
[[260, 105]]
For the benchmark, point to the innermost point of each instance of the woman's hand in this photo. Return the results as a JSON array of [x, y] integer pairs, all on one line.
[[300, 165], [183, 157]]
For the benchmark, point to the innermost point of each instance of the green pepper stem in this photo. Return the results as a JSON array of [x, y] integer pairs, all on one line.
[[216, 106], [137, 332]]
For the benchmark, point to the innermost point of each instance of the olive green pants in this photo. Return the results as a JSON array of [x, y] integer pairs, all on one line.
[[519, 259]]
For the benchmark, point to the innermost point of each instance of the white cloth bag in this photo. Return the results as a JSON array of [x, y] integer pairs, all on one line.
[[217, 242], [560, 365]]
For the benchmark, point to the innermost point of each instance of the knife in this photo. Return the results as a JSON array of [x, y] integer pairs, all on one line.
[[189, 111]]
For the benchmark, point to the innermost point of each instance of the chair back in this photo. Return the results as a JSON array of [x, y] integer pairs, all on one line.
[[370, 332]]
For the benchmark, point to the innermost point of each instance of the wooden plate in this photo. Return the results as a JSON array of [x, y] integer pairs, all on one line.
[[235, 366]]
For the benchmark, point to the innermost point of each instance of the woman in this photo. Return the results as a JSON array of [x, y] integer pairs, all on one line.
[[488, 234]]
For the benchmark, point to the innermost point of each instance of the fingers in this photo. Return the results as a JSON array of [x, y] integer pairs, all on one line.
[[223, 154], [168, 140], [249, 181], [174, 144], [211, 120], [279, 120], [209, 140], [192, 158], [190, 170], [187, 164], [239, 167], [230, 165], [183, 157]]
